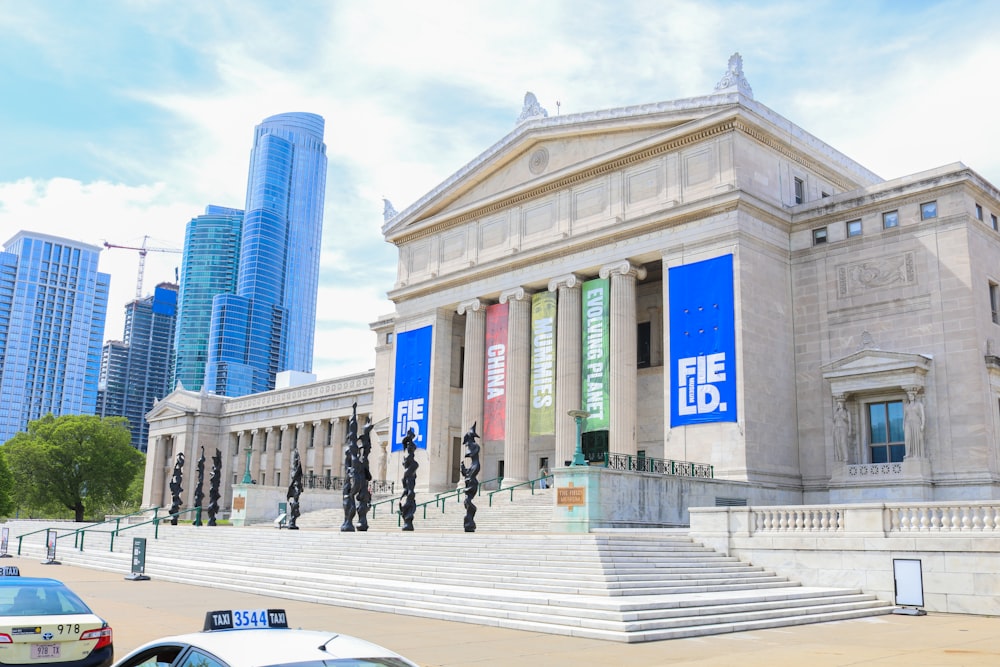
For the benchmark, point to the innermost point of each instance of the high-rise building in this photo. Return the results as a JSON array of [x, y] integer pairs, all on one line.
[[211, 257], [53, 302], [135, 372], [269, 324]]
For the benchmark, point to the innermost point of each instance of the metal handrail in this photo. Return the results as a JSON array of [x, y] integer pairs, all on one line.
[[511, 488], [631, 463], [461, 490], [79, 532]]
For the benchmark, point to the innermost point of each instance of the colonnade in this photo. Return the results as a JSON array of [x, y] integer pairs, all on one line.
[[569, 323]]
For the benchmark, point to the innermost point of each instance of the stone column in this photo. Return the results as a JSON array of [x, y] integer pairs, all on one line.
[[153, 495], [655, 336], [267, 456], [281, 467], [338, 424], [624, 383], [515, 446], [473, 380], [568, 359], [239, 455]]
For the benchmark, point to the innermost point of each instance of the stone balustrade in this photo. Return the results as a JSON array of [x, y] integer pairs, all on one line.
[[956, 542]]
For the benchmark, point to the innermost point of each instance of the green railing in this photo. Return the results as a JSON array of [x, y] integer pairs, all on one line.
[[530, 482], [78, 534], [631, 463], [444, 496]]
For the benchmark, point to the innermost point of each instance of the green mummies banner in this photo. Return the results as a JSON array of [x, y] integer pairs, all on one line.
[[543, 363], [596, 354]]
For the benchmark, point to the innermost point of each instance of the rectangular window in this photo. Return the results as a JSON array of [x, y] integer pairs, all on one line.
[[643, 339], [885, 431], [800, 191], [979, 212], [819, 235], [993, 221], [928, 210], [995, 302], [854, 228], [388, 338], [890, 219]]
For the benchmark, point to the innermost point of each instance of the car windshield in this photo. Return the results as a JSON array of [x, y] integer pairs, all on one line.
[[36, 599], [350, 662]]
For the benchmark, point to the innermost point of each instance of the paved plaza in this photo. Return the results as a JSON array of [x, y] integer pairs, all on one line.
[[143, 610]]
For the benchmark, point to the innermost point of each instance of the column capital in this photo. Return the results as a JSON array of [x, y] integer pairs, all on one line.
[[284, 427], [317, 423], [300, 425], [623, 268], [569, 281], [470, 306], [268, 429], [254, 431], [514, 294]]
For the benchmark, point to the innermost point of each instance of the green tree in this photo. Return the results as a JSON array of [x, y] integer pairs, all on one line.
[[74, 462], [6, 489]]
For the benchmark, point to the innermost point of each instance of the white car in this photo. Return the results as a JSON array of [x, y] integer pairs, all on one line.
[[260, 638], [42, 622]]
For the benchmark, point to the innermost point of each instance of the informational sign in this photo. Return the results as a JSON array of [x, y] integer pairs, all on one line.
[[702, 342], [138, 560], [596, 348], [50, 547], [570, 496], [413, 386], [543, 363], [495, 394], [909, 582]]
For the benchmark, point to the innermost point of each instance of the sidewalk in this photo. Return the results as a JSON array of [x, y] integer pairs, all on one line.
[[139, 611]]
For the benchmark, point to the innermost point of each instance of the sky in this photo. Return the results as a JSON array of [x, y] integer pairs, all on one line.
[[123, 119]]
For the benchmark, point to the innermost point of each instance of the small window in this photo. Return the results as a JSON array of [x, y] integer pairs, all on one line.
[[854, 228], [979, 212], [388, 338], [890, 219], [819, 236], [885, 432], [928, 210], [995, 302], [825, 194], [993, 221], [800, 191]]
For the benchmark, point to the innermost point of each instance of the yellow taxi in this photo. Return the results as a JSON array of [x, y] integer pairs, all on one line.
[[42, 622]]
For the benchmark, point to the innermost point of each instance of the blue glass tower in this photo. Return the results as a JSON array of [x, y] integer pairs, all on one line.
[[53, 303], [135, 372], [211, 258], [268, 326]]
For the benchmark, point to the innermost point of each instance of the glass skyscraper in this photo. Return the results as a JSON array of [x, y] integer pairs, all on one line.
[[269, 324], [211, 258], [53, 302], [135, 372]]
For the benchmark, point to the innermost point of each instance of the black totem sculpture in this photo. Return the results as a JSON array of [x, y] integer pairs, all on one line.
[[199, 495], [408, 503], [350, 461], [471, 475], [294, 491], [213, 487], [363, 475], [175, 488]]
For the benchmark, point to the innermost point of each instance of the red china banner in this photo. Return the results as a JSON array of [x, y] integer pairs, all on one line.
[[495, 396]]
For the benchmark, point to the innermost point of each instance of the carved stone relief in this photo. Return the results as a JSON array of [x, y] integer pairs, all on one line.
[[538, 161], [865, 276]]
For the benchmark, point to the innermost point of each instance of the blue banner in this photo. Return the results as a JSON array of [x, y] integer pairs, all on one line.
[[413, 385], [702, 342]]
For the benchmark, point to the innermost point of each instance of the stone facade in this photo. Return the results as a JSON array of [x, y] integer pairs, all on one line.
[[858, 303]]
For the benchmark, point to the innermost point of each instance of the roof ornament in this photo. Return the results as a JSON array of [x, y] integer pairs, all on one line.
[[532, 109], [733, 79], [388, 212]]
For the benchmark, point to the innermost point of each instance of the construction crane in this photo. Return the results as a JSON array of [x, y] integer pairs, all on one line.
[[143, 249]]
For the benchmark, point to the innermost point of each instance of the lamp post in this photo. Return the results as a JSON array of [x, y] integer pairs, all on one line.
[[247, 479], [579, 416]]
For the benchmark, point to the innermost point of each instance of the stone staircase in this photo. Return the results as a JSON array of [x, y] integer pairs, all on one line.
[[520, 510], [625, 586]]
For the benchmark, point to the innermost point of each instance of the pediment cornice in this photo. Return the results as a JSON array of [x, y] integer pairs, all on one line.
[[875, 370]]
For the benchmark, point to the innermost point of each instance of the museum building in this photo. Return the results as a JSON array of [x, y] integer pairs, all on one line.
[[697, 280]]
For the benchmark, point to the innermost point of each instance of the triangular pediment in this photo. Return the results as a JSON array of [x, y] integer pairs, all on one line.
[[545, 150], [181, 402], [873, 370]]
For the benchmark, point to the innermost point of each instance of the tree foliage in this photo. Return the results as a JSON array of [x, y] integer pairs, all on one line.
[[73, 462], [6, 489]]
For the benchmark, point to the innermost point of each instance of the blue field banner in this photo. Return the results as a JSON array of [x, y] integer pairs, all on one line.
[[413, 385], [702, 342]]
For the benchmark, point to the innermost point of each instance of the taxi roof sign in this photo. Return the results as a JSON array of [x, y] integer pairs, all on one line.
[[10, 571], [245, 619]]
